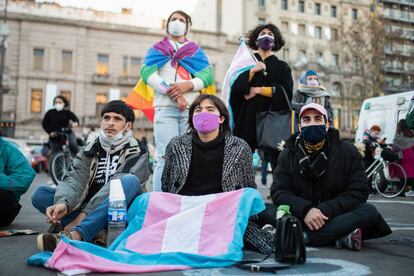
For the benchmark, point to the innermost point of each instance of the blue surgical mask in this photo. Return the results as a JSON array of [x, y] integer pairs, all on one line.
[[313, 134]]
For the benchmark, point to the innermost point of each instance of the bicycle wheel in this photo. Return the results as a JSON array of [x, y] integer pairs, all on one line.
[[378, 181], [394, 181], [59, 167]]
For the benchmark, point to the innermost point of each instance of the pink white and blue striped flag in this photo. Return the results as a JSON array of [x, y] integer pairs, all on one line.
[[165, 232], [242, 61]]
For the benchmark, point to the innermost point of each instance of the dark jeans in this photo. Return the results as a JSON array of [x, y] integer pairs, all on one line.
[[365, 216], [265, 164], [9, 207], [56, 145]]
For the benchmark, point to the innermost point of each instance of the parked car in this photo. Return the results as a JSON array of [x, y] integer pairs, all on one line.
[[34, 158], [39, 161]]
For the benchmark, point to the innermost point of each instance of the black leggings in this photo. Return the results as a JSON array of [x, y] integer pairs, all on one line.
[[9, 207]]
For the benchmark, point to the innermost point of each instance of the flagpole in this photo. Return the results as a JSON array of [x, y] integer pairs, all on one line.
[[252, 54]]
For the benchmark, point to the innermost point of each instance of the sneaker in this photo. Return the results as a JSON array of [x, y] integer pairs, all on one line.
[[55, 228], [49, 241], [352, 241]]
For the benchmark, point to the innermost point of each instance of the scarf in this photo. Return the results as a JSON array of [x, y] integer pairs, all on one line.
[[111, 146]]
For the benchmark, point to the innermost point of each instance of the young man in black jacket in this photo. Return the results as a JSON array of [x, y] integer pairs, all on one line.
[[323, 181]]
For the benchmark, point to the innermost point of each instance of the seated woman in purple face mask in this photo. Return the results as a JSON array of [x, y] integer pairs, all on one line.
[[208, 159]]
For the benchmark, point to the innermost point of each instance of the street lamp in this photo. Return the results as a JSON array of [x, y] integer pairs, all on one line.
[[4, 32]]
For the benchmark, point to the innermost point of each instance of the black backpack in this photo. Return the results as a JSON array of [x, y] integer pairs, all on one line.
[[289, 243]]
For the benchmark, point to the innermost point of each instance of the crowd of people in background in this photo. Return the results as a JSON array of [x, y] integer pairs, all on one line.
[[320, 177]]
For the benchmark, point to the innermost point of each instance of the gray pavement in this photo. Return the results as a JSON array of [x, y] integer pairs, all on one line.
[[392, 255]]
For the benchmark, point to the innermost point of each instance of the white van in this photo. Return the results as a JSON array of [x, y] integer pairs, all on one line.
[[384, 111]]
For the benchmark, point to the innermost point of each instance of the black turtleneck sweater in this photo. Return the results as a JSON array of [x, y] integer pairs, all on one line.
[[204, 176]]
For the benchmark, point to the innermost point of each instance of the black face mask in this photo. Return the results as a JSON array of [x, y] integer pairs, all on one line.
[[313, 134]]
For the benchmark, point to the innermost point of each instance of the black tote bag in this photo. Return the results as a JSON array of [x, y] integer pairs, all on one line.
[[274, 126]]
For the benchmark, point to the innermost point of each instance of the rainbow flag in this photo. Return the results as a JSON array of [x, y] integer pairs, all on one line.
[[166, 232], [242, 61], [191, 57]]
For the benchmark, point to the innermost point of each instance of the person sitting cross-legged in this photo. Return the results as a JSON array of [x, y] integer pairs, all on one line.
[[322, 179], [79, 204]]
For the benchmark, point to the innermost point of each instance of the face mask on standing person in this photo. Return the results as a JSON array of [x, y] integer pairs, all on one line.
[[176, 28], [59, 106], [265, 42]]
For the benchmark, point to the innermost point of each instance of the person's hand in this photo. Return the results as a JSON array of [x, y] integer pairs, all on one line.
[[53, 134], [177, 90], [55, 212], [182, 104], [253, 92], [75, 222], [260, 66], [314, 219]]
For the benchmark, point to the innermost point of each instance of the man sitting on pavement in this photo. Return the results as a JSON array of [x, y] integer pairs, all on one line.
[[16, 175], [322, 179], [79, 205]]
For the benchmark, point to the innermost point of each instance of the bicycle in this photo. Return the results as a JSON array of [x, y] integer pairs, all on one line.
[[61, 161], [388, 177]]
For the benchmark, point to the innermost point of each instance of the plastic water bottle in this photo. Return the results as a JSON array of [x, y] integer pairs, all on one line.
[[117, 211]]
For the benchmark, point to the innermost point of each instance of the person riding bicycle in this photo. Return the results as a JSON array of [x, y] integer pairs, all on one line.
[[79, 204], [57, 119], [371, 139]]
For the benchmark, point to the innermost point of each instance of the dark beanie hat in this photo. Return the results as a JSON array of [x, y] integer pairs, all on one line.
[[121, 108]]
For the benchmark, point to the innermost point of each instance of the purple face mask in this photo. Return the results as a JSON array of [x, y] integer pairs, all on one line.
[[205, 122], [265, 42]]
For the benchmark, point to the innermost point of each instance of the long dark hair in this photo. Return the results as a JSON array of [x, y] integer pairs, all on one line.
[[188, 21], [219, 104], [253, 34], [64, 100]]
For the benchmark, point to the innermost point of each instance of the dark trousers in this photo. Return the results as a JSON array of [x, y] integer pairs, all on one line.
[[274, 155], [56, 145], [9, 207], [365, 216]]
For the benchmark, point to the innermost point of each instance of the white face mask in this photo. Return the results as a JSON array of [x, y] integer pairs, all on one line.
[[114, 138], [59, 106], [176, 28], [312, 83]]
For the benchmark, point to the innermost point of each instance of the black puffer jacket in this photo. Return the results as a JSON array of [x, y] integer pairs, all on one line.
[[342, 188]]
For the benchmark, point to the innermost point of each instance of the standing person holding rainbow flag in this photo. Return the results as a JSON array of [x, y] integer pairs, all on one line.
[[256, 83], [174, 73]]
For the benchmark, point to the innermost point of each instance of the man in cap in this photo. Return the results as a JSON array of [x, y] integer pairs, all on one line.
[[322, 179], [79, 204]]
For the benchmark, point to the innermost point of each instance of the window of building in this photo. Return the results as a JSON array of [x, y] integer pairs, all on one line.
[[337, 118], [354, 14], [286, 53], [36, 99], [38, 58], [318, 32], [334, 34], [285, 5], [262, 21], [302, 6], [124, 70], [302, 29], [336, 90], [355, 63], [285, 26], [102, 66], [261, 3], [333, 11], [66, 62], [318, 8], [319, 57], [101, 99], [66, 94], [355, 118], [302, 54], [136, 66], [335, 59]]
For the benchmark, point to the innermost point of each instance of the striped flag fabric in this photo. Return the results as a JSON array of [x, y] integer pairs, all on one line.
[[166, 232], [242, 61]]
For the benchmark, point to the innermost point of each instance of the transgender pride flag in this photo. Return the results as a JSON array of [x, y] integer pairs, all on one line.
[[166, 232], [242, 61]]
